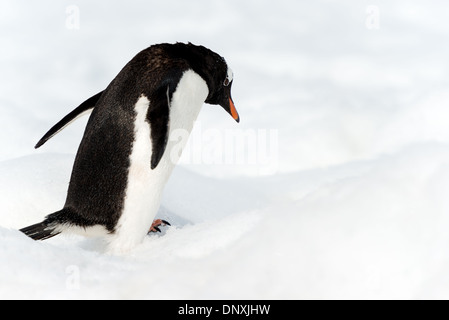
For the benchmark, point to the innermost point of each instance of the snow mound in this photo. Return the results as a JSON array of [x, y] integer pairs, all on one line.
[[367, 229], [349, 100]]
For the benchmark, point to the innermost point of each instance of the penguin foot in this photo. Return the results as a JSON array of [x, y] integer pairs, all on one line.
[[156, 224]]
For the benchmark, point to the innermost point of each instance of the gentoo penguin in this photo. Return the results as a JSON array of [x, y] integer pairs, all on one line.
[[125, 157]]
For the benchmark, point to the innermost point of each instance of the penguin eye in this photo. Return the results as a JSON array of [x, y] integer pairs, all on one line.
[[229, 77]]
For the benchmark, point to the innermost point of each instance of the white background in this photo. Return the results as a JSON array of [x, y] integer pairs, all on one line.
[[349, 202]]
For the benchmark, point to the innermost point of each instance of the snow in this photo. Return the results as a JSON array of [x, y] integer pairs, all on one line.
[[333, 185]]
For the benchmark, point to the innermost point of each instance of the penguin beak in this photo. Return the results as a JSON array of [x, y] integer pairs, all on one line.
[[229, 106], [225, 101], [232, 110]]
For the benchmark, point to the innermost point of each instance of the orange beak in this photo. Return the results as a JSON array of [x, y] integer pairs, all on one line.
[[234, 112]]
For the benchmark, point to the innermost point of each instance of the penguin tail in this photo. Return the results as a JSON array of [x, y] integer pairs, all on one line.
[[40, 231]]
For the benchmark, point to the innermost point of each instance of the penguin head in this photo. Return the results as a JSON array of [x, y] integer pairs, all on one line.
[[218, 76], [222, 93]]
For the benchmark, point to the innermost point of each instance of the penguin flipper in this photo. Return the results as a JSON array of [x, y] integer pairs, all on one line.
[[39, 231], [158, 117], [72, 116]]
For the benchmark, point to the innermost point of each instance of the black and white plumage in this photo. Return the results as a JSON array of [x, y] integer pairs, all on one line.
[[125, 158]]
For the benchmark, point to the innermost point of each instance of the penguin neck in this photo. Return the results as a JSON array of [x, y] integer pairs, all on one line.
[[186, 103]]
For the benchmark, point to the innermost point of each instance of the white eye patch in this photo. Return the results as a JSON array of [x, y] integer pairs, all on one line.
[[229, 77]]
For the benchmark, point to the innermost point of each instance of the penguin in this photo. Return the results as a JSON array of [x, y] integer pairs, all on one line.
[[126, 154]]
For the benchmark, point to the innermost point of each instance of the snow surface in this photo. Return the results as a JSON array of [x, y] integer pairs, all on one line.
[[345, 195]]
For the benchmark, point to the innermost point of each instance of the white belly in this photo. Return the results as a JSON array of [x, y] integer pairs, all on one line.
[[145, 186]]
